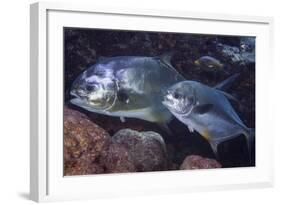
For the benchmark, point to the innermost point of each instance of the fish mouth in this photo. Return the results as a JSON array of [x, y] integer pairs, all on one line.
[[77, 101], [168, 101], [174, 105], [74, 94], [167, 104], [75, 98], [79, 93], [83, 104], [82, 99]]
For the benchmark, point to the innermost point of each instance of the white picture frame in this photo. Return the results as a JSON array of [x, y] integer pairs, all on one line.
[[47, 182]]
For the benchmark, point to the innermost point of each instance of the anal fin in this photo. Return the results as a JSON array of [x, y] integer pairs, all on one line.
[[214, 145]]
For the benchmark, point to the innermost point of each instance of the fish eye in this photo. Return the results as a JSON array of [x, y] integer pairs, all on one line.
[[123, 97], [91, 87], [177, 95]]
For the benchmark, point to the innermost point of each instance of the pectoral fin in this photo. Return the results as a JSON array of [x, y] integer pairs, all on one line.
[[122, 119], [201, 109]]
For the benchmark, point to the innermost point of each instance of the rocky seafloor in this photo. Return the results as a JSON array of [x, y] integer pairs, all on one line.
[[95, 144], [89, 149]]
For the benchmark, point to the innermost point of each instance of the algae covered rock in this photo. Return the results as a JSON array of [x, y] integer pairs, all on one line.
[[198, 162], [147, 149], [84, 142], [117, 159], [83, 166]]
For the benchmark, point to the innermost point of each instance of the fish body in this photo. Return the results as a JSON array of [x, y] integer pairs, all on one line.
[[205, 110], [209, 63], [127, 87]]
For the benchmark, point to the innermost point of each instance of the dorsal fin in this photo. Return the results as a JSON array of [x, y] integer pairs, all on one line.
[[224, 85], [166, 58]]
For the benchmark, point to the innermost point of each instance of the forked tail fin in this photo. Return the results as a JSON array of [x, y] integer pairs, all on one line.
[[250, 136], [224, 85]]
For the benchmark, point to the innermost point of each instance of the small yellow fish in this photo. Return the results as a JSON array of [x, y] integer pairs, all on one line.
[[208, 62]]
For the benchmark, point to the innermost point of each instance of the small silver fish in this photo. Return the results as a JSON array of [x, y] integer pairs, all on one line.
[[207, 111], [127, 87], [209, 63]]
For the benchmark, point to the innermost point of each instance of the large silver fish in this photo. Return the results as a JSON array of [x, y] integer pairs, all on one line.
[[127, 87], [207, 111]]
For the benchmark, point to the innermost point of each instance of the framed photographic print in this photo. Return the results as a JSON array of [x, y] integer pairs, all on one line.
[[128, 101]]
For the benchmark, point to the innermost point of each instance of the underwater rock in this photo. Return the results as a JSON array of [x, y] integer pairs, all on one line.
[[84, 143], [173, 166], [236, 55], [147, 149], [82, 166], [117, 159], [198, 162]]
